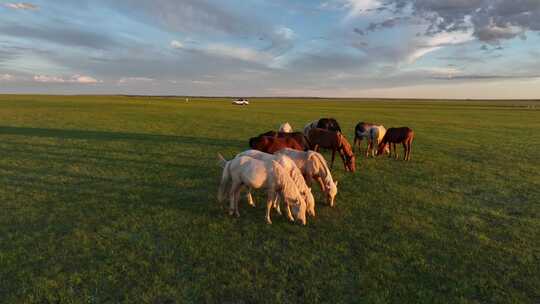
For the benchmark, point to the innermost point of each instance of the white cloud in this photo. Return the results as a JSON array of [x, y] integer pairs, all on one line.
[[177, 44], [73, 79], [49, 79], [125, 80], [21, 6], [438, 41], [360, 7], [6, 77], [242, 53], [84, 79]]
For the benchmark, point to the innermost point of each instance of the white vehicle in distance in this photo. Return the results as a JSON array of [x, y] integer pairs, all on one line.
[[240, 101]]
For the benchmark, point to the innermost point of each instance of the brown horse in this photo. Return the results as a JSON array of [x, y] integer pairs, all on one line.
[[298, 136], [335, 141], [395, 136], [271, 144]]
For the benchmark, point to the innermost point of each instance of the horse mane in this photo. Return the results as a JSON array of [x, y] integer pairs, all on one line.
[[323, 166], [285, 183]]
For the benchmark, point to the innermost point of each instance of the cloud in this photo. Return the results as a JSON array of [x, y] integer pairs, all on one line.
[[490, 20], [241, 53], [438, 41], [21, 6], [81, 79], [177, 44], [126, 80], [6, 77], [360, 7], [62, 34]]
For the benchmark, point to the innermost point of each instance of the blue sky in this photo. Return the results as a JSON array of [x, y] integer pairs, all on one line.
[[341, 48]]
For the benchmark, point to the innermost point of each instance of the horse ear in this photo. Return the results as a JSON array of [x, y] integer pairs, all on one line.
[[336, 183]]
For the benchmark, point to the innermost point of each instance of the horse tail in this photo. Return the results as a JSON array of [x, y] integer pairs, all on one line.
[[221, 160], [225, 177]]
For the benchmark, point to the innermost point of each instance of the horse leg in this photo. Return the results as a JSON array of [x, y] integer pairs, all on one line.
[[405, 151], [395, 151], [233, 196], [333, 157], [341, 154], [269, 202], [250, 198], [277, 204]]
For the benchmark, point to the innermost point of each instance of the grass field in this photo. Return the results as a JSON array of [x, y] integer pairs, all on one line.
[[113, 199]]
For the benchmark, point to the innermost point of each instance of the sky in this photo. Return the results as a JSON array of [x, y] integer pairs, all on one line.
[[328, 48]]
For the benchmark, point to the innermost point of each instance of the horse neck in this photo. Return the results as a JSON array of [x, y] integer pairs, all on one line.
[[326, 174], [345, 146], [286, 184]]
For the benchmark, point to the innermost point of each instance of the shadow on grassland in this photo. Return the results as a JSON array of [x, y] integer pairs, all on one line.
[[115, 136], [166, 177]]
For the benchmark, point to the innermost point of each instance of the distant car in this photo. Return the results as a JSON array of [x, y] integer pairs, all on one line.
[[240, 102]]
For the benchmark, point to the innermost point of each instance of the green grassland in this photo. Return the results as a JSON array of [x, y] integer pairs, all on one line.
[[108, 199]]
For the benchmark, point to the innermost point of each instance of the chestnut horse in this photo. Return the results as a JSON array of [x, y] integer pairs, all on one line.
[[298, 136], [329, 124], [271, 144], [335, 141], [395, 136]]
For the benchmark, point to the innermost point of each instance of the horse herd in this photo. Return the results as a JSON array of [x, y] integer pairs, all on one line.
[[285, 163]]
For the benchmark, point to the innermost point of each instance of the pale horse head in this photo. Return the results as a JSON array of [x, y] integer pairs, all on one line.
[[331, 192]]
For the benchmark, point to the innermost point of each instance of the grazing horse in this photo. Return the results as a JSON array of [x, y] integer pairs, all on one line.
[[314, 167], [370, 131], [246, 172], [335, 141], [329, 124], [290, 166], [298, 136], [395, 136], [361, 131], [376, 134], [271, 144], [285, 128], [309, 126]]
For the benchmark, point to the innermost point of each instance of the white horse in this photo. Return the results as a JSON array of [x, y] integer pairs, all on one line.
[[250, 173], [286, 128], [314, 167], [372, 132], [309, 126], [290, 166], [376, 134]]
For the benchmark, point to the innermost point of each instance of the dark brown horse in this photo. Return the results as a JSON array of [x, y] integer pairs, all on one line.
[[271, 144], [329, 124], [335, 141], [395, 136]]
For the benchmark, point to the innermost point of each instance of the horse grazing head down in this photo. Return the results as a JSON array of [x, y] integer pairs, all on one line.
[[329, 124], [348, 154]]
